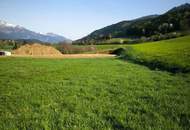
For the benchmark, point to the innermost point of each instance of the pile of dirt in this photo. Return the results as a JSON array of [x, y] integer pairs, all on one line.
[[37, 50]]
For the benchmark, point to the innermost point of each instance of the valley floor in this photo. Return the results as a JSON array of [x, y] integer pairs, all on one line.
[[104, 93]]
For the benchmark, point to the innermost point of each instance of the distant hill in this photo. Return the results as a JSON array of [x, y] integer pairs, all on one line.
[[15, 32], [175, 20]]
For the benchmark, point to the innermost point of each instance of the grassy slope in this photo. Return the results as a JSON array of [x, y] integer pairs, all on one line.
[[169, 53], [90, 94], [102, 48]]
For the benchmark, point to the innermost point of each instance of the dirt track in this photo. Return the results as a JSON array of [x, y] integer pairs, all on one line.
[[69, 56]]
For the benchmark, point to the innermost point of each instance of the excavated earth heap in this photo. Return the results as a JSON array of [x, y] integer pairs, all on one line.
[[36, 50]]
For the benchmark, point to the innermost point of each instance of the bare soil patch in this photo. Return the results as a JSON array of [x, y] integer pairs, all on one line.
[[43, 51]]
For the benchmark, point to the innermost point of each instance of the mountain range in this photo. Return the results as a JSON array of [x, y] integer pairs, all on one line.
[[15, 32], [175, 20]]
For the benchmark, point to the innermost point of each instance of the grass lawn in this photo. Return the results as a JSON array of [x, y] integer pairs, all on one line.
[[73, 94], [172, 55], [101, 48]]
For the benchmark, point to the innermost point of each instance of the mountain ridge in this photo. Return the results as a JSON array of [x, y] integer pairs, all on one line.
[[15, 32], [174, 20]]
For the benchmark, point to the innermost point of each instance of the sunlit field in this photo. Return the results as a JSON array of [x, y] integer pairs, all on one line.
[[172, 55], [90, 94]]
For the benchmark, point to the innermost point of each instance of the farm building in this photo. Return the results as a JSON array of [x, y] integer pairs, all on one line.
[[5, 53]]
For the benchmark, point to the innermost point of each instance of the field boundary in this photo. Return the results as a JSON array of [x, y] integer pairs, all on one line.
[[68, 56]]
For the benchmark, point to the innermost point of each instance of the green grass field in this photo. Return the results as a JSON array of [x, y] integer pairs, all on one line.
[[101, 48], [172, 55], [116, 40], [73, 94]]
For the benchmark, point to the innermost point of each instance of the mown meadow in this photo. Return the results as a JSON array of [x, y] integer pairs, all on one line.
[[106, 93], [172, 55]]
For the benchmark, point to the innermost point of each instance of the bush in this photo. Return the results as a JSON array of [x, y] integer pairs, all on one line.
[[119, 52]]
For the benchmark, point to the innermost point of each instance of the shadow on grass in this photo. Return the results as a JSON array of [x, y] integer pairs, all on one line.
[[116, 125], [155, 64]]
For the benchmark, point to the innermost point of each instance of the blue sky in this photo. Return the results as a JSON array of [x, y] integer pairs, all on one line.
[[77, 18]]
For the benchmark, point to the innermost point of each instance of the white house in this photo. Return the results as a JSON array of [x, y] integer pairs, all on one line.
[[5, 53]]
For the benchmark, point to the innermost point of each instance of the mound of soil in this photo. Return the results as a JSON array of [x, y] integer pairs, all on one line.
[[36, 50]]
